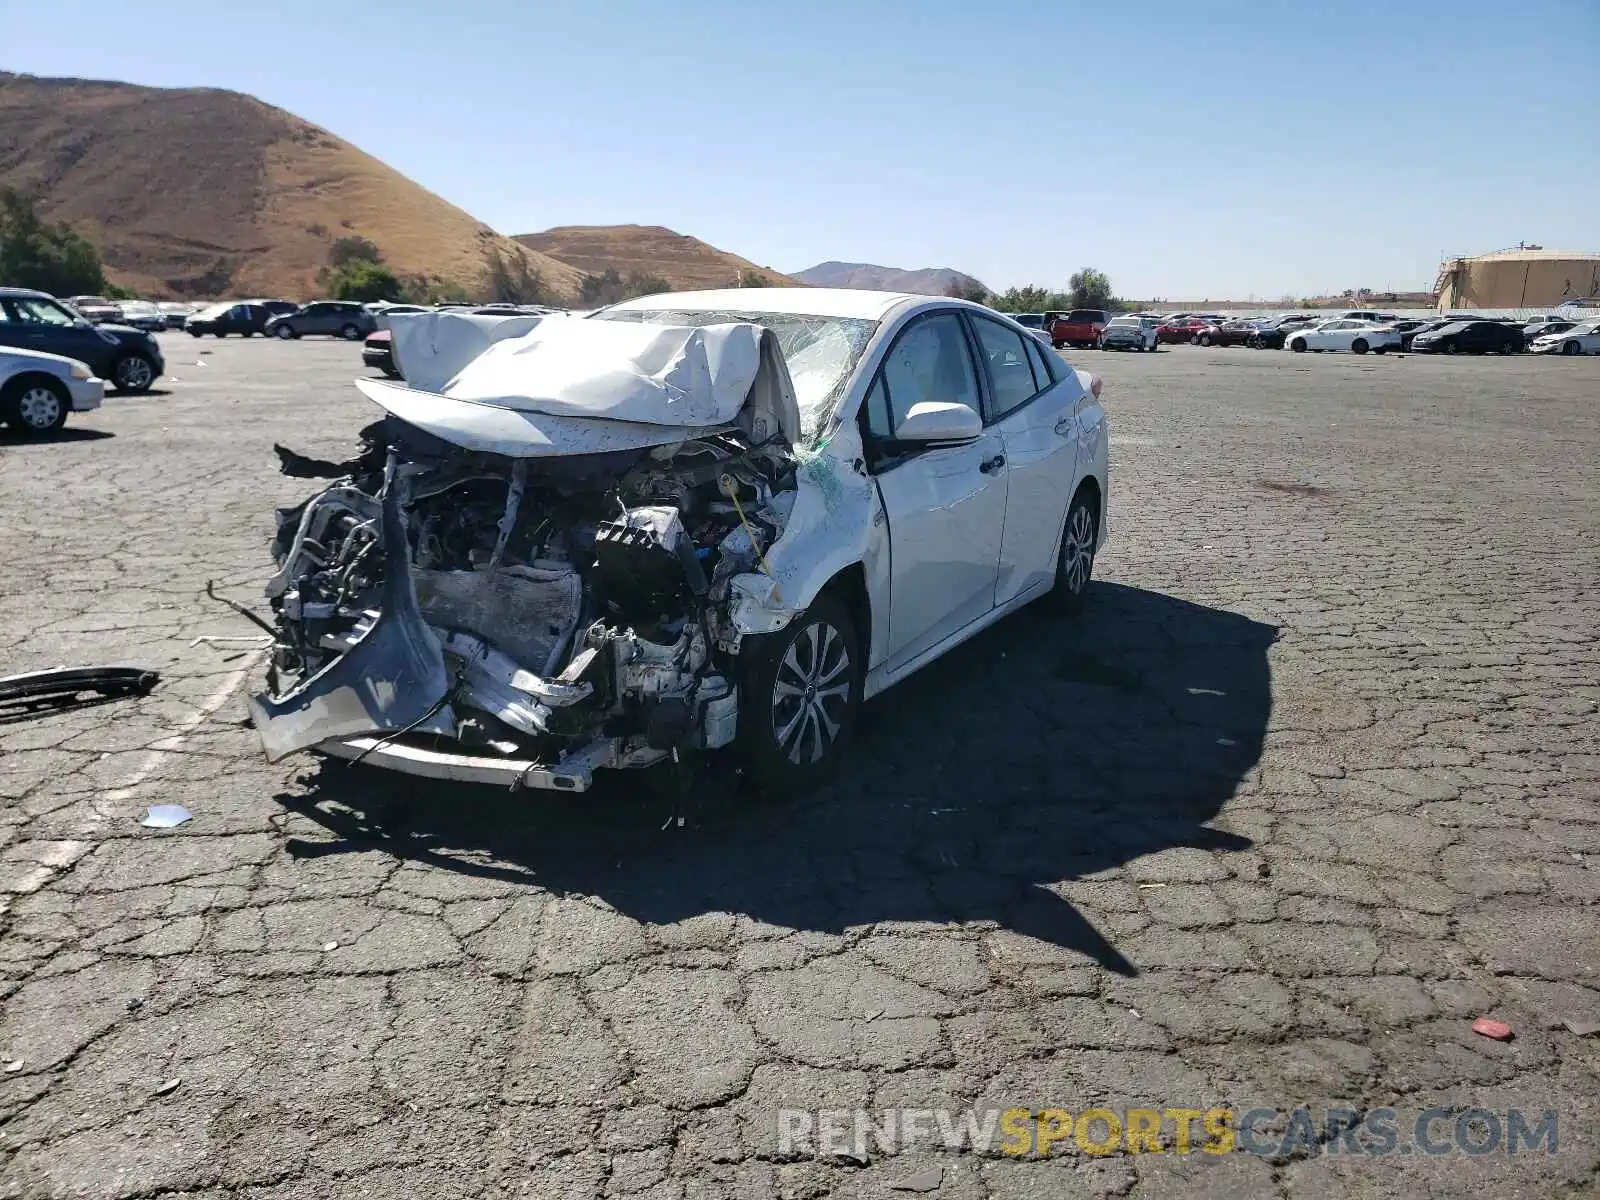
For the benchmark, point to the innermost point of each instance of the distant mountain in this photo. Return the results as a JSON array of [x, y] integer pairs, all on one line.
[[205, 193], [930, 281], [685, 262]]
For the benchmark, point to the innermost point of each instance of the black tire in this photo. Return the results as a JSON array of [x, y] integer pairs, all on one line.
[[1571, 348], [221, 333], [1380, 349], [249, 333], [133, 373], [1193, 341], [35, 404], [1359, 346], [1075, 557], [1298, 345], [1054, 345], [1205, 339], [1448, 347], [196, 333], [779, 734], [284, 332], [350, 332]]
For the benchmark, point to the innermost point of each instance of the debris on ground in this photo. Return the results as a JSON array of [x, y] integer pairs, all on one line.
[[170, 1085], [26, 695], [165, 816], [12, 1066], [1581, 1027], [1489, 1028], [329, 947], [929, 1179]]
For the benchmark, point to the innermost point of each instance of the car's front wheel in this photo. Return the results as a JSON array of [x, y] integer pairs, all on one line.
[[1359, 346], [350, 332], [799, 692], [35, 405], [1298, 345], [133, 373], [1571, 348], [1075, 562], [284, 332]]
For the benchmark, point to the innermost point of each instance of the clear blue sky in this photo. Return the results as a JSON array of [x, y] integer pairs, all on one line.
[[1188, 149]]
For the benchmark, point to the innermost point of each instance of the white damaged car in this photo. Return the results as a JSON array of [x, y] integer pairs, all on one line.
[[690, 521], [1580, 339]]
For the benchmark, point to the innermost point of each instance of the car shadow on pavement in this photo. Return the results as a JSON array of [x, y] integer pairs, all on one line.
[[1042, 752], [67, 433]]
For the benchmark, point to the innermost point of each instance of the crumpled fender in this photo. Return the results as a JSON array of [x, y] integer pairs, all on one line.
[[389, 680], [829, 528]]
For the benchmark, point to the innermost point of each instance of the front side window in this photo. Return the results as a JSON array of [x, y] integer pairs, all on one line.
[[1010, 373], [41, 312], [930, 363]]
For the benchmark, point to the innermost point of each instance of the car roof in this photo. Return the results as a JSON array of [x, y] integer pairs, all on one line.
[[808, 302], [15, 293]]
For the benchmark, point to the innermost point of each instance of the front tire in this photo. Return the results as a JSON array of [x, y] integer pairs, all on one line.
[[1205, 339], [283, 333], [1571, 348], [35, 406], [133, 373], [1359, 346], [1075, 560], [350, 333], [799, 694], [1298, 345]]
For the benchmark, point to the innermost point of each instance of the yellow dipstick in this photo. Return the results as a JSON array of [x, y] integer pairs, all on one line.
[[730, 489]]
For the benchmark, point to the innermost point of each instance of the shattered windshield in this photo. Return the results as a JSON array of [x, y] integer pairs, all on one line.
[[822, 352]]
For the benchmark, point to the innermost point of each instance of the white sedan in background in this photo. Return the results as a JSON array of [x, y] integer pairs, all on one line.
[[1343, 333], [38, 390], [1580, 339]]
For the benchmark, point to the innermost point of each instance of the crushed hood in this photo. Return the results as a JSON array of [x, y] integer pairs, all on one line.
[[568, 386]]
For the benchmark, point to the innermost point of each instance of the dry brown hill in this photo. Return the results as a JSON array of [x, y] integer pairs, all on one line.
[[202, 192], [685, 262]]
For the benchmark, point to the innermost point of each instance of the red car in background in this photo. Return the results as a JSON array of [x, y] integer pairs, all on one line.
[[1080, 327], [1182, 329], [1227, 333]]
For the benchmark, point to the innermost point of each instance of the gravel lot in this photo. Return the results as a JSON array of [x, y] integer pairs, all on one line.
[[1312, 784]]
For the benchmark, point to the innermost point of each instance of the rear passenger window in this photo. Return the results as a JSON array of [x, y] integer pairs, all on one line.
[[1044, 363], [1010, 372]]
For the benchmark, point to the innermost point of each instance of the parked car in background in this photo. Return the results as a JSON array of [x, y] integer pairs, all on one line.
[[1544, 327], [97, 310], [1182, 329], [1270, 335], [1080, 327], [1469, 337], [243, 317], [1343, 334], [336, 318], [276, 307], [175, 313], [1366, 314], [1028, 320], [129, 359], [377, 352], [38, 390], [1130, 333], [1226, 333], [141, 314], [1580, 339]]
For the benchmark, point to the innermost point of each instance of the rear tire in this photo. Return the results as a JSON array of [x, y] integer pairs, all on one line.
[[1571, 348], [35, 405], [1205, 339], [1298, 345], [284, 333], [799, 695], [350, 332], [1359, 346]]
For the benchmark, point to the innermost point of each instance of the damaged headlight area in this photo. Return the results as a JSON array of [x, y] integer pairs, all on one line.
[[470, 615]]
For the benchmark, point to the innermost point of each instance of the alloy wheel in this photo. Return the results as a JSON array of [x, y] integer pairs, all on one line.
[[39, 408], [811, 693], [1077, 549], [134, 373]]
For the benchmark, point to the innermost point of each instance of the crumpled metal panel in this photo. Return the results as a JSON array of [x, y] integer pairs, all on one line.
[[389, 680]]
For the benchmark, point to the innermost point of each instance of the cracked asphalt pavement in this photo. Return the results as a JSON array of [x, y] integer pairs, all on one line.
[[1312, 783]]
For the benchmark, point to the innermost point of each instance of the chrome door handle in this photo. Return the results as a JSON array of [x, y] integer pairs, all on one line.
[[990, 465]]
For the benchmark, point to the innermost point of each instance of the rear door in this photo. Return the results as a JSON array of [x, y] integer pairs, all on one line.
[[945, 505], [1032, 410]]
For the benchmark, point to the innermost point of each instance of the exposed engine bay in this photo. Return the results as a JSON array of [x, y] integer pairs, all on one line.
[[573, 600]]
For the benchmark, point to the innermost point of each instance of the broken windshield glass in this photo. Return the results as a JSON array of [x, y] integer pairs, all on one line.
[[822, 352]]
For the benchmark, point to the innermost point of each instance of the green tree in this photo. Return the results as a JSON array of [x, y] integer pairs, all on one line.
[[610, 286], [364, 281], [51, 258], [1091, 289], [353, 249], [969, 289], [511, 279]]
